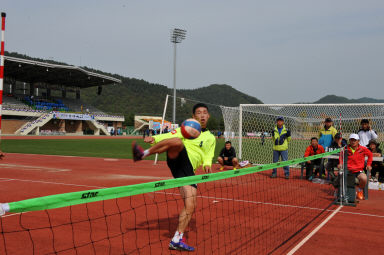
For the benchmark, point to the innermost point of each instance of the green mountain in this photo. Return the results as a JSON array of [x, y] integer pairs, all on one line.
[[139, 97], [332, 99]]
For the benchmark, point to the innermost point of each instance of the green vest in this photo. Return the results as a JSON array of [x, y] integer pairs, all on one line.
[[280, 141]]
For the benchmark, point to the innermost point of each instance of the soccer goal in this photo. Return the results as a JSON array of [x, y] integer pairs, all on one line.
[[249, 126]]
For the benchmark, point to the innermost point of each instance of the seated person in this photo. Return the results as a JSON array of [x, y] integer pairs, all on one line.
[[313, 149], [227, 156], [377, 167], [338, 142], [356, 162]]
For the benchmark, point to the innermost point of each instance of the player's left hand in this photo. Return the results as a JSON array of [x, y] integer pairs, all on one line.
[[369, 168], [207, 169]]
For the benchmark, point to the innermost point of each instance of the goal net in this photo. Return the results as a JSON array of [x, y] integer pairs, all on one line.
[[249, 127]]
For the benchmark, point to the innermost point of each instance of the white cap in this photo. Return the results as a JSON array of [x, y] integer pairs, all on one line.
[[354, 136]]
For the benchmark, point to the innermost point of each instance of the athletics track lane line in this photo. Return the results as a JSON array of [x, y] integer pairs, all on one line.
[[299, 245]]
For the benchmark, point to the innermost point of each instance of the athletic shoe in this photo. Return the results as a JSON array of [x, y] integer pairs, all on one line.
[[234, 168], [310, 178], [274, 176], [287, 177], [180, 246], [360, 195], [221, 168], [137, 152]]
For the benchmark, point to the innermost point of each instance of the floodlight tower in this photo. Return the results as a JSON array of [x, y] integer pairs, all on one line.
[[176, 37]]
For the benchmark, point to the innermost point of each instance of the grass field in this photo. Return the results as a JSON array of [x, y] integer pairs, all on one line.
[[105, 148], [253, 150]]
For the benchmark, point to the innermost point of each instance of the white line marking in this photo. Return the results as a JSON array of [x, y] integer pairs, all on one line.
[[5, 180], [25, 167], [127, 176], [111, 159], [59, 183], [64, 156], [364, 214], [274, 204], [12, 214], [314, 231]]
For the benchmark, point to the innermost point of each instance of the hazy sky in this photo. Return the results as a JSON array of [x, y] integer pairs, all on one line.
[[278, 51]]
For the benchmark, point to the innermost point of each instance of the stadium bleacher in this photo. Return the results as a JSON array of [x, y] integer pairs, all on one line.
[[40, 104]]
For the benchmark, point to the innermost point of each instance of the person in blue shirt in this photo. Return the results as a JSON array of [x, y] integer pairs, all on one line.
[[327, 133]]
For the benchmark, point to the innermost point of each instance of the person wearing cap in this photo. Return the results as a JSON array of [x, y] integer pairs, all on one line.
[[281, 136], [338, 142], [366, 133], [327, 133], [356, 162], [377, 173]]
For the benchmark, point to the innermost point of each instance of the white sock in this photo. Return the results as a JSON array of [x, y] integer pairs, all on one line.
[[146, 153], [177, 237]]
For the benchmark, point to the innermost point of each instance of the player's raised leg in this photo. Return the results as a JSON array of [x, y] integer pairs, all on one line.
[[172, 146]]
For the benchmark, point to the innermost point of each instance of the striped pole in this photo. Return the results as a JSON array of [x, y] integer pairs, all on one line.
[[1, 72]]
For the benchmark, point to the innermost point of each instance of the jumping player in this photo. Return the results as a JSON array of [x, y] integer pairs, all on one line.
[[184, 156]]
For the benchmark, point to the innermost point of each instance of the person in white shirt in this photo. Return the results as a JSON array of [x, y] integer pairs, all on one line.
[[366, 133]]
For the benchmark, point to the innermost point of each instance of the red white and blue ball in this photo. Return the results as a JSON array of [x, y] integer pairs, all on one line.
[[190, 129]]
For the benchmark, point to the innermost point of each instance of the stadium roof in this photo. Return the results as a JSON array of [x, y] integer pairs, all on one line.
[[32, 71]]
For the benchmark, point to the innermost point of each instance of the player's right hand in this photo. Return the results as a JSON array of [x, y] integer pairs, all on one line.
[[149, 139]]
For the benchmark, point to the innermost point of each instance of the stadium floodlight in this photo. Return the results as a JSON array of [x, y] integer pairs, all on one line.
[[177, 36]]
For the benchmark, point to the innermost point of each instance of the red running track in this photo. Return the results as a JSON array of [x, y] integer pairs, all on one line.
[[22, 176]]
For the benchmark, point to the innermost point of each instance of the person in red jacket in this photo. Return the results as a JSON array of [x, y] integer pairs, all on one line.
[[313, 149], [356, 162]]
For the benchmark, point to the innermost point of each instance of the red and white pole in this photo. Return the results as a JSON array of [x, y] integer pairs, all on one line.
[[1, 70]]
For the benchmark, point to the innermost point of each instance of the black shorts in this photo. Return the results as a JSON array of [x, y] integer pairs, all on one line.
[[358, 173], [181, 166], [227, 162]]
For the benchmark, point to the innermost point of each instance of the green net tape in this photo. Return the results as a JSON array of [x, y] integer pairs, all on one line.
[[81, 197]]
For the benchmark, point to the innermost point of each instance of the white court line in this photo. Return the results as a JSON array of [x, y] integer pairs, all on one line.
[[131, 177], [25, 167], [274, 204], [363, 214], [59, 183], [5, 180], [12, 214], [64, 156], [298, 246]]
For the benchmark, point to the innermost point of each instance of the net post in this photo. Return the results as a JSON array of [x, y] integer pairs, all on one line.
[[2, 70], [342, 180], [348, 194], [240, 130], [162, 124]]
